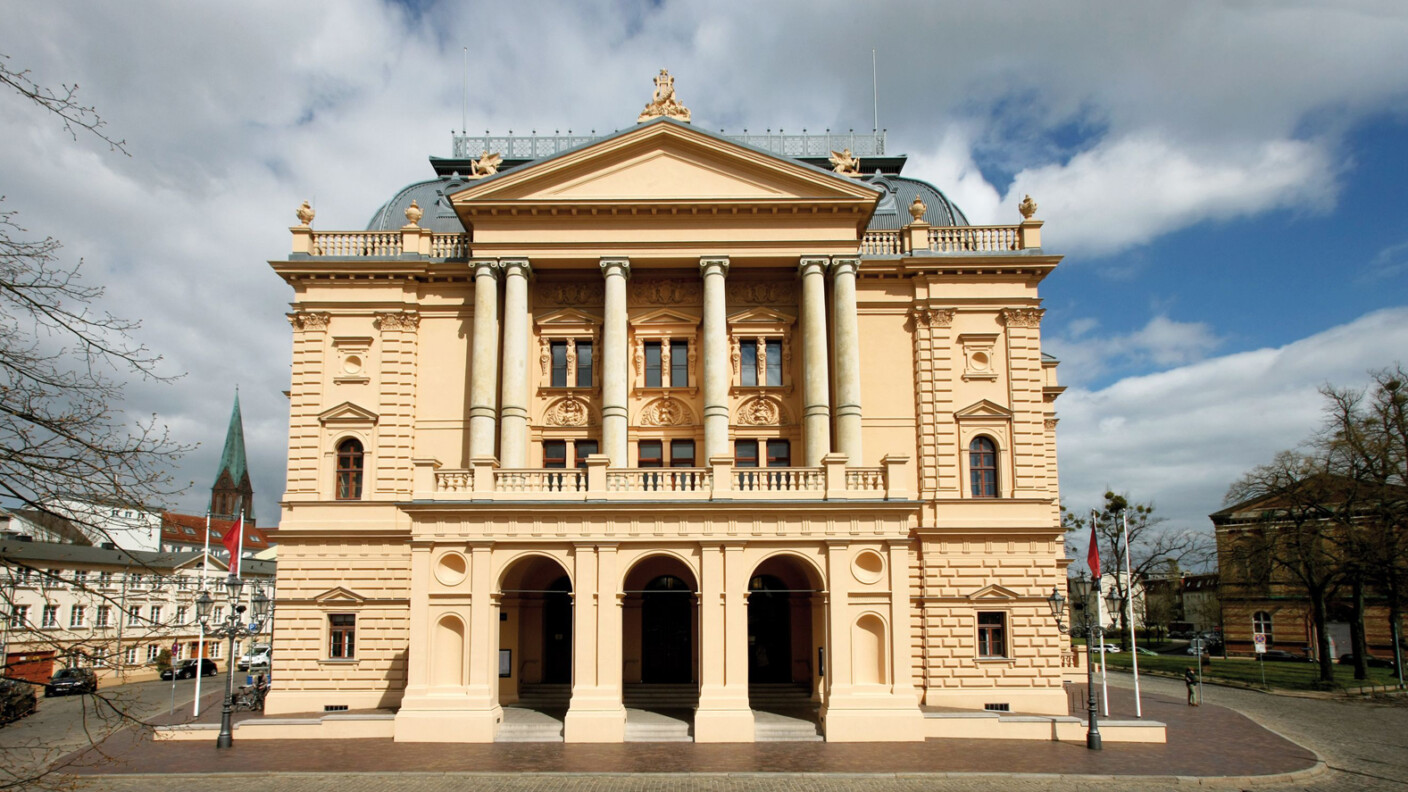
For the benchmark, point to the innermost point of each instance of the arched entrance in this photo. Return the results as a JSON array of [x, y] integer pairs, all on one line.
[[535, 633], [785, 622], [660, 623]]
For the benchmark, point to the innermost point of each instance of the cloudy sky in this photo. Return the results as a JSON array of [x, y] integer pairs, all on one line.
[[1224, 179]]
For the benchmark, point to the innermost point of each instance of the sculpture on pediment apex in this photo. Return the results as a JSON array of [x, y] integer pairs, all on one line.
[[305, 214], [486, 165], [843, 163], [664, 102], [1027, 207], [414, 213]]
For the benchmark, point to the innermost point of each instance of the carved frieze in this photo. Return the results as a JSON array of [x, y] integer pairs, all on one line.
[[666, 291], [1022, 317], [925, 318], [570, 293], [307, 320], [570, 411], [399, 320], [761, 293], [761, 411], [666, 411]]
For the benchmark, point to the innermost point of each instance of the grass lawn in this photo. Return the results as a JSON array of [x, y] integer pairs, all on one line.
[[1285, 675]]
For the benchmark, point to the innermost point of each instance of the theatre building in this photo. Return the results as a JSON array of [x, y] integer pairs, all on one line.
[[669, 419]]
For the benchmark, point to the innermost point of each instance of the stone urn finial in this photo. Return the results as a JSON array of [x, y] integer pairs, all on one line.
[[305, 214], [413, 214], [1027, 207], [917, 209]]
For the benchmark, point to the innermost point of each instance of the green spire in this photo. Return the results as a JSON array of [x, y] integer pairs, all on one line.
[[232, 459]]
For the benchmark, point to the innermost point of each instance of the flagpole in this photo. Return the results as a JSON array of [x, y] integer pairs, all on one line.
[[1100, 614], [200, 643], [1129, 609]]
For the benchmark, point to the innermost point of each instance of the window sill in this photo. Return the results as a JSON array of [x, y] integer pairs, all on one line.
[[996, 660], [340, 661]]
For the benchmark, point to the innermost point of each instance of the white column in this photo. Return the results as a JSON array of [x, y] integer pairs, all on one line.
[[816, 396], [484, 358], [716, 365], [614, 374], [513, 410], [847, 351]]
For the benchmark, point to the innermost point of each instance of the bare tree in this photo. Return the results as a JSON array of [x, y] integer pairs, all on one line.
[[1153, 549]]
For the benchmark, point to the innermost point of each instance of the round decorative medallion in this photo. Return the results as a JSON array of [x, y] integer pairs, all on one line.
[[868, 566], [451, 569], [568, 412]]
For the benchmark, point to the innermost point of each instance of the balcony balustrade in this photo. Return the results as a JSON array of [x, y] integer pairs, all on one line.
[[833, 480]]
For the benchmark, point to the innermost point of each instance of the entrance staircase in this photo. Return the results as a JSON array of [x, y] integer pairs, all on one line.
[[537, 715], [783, 712], [660, 712]]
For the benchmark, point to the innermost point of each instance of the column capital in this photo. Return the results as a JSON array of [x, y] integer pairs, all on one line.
[[484, 266], [845, 265], [615, 265], [521, 265], [708, 263], [810, 264]]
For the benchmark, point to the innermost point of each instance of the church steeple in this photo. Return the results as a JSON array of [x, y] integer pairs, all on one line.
[[232, 489]]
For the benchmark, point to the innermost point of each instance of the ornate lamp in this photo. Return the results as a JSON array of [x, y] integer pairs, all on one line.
[[1058, 607], [261, 605], [233, 585], [203, 604]]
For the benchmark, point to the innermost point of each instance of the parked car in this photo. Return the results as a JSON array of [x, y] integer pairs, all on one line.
[[17, 699], [186, 669], [1144, 651], [72, 680], [1282, 655], [1109, 648], [258, 657], [1369, 660]]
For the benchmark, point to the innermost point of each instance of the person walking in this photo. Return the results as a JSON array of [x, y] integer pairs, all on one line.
[[1191, 680]]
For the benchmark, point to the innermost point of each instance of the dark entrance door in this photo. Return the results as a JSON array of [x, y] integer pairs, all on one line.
[[557, 633], [769, 630], [667, 640]]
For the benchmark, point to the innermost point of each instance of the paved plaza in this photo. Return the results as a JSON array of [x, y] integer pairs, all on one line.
[[1364, 745]]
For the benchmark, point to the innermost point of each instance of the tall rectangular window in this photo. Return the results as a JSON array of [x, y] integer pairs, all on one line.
[[745, 453], [76, 615], [134, 615], [773, 348], [103, 617], [681, 453], [51, 616], [653, 377], [581, 450], [19, 617], [779, 453], [129, 655], [156, 614], [748, 361], [650, 454], [992, 634], [584, 364], [181, 614], [559, 364], [342, 633], [679, 364], [554, 453]]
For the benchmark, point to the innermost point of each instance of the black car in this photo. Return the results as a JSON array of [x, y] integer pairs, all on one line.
[[187, 669], [1369, 661], [72, 680], [17, 699], [1283, 655]]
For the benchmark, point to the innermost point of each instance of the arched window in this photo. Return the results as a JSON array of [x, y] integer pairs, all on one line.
[[982, 467], [349, 469], [1261, 623]]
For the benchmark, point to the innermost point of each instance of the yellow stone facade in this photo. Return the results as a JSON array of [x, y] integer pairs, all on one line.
[[854, 567]]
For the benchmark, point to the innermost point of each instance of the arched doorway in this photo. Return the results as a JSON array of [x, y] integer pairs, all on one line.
[[660, 623], [535, 632], [785, 622]]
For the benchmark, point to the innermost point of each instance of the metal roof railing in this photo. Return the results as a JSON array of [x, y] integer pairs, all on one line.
[[807, 144]]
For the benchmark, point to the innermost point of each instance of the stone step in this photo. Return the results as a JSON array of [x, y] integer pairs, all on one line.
[[772, 727], [526, 725], [645, 726]]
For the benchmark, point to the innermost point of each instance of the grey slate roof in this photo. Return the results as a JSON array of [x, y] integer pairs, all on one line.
[[892, 212]]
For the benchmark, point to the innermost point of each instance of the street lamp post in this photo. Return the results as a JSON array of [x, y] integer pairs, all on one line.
[[232, 627], [1081, 588]]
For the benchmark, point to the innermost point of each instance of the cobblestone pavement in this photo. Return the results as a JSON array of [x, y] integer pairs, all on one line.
[[1364, 744]]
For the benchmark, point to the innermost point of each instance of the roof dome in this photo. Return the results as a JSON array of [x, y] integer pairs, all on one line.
[[892, 212], [429, 195]]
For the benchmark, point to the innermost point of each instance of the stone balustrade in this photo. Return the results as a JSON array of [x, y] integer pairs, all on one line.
[[484, 480]]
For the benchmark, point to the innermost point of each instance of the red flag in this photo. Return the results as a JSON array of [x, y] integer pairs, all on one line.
[[234, 543], [1092, 557]]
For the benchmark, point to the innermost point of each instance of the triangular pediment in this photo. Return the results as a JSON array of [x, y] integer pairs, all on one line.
[[339, 596], [994, 592], [760, 315], [984, 409], [347, 413], [664, 316], [665, 161], [567, 316]]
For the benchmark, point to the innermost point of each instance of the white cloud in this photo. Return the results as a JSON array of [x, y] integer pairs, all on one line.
[[1162, 342], [1181, 437]]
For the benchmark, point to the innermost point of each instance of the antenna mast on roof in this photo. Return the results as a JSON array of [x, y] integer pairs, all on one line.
[[464, 104], [875, 88]]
